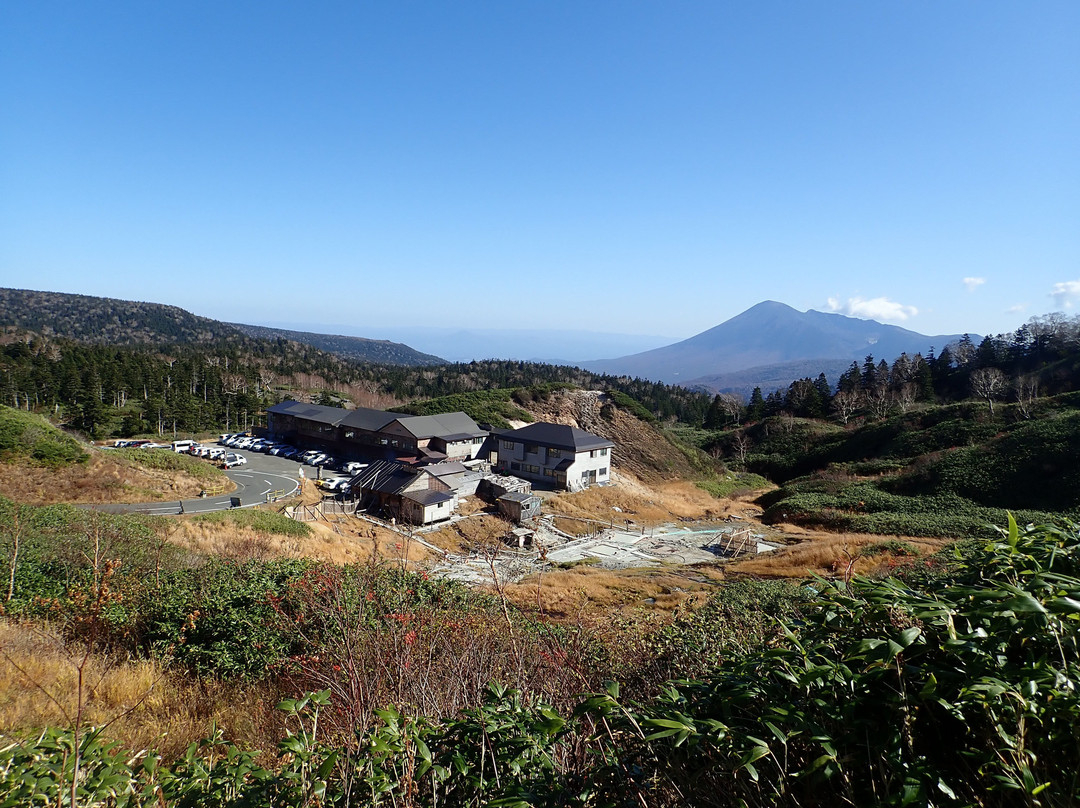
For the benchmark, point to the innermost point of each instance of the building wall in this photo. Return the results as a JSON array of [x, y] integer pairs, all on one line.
[[459, 450], [539, 463]]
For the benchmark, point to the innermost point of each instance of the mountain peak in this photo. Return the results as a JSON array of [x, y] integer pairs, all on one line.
[[770, 333]]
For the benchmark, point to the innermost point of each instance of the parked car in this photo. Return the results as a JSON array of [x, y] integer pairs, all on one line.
[[280, 449], [354, 467], [232, 460]]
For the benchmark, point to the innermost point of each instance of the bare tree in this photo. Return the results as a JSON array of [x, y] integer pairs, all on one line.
[[732, 406], [741, 446], [845, 404], [906, 395], [1027, 392], [988, 383], [12, 529], [879, 399]]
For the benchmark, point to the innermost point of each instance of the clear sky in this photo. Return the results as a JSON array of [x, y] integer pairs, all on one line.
[[650, 168]]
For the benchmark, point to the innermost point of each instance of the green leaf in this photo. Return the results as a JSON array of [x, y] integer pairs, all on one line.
[[1024, 603]]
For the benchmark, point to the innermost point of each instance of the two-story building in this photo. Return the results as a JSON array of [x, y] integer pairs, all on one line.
[[559, 455]]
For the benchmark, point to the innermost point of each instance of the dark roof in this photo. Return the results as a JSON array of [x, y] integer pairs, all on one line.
[[557, 436], [368, 419], [310, 412], [462, 436], [443, 469], [385, 476], [428, 497], [440, 426]]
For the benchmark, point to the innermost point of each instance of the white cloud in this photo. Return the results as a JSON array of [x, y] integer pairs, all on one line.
[[973, 283], [1019, 307], [1065, 293], [877, 308]]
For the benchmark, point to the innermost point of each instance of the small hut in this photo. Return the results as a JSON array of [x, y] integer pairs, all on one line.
[[519, 506]]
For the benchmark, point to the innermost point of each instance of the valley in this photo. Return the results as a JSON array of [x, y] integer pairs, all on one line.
[[710, 553]]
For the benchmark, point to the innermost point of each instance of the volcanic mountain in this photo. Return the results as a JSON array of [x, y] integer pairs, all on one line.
[[767, 335]]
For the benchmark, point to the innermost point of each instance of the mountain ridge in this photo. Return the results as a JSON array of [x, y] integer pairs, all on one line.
[[112, 321]]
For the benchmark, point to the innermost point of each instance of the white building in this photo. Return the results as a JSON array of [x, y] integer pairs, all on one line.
[[562, 456]]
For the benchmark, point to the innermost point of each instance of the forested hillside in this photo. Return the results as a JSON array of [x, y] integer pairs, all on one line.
[[106, 321], [126, 390], [355, 348]]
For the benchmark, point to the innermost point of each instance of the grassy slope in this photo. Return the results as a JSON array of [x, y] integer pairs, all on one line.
[[30, 438], [40, 464], [944, 471]]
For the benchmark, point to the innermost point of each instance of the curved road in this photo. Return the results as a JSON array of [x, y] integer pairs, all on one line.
[[263, 476]]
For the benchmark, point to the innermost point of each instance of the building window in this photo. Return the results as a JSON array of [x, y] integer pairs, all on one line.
[[441, 505], [554, 453], [477, 441], [508, 444], [602, 473], [350, 433], [531, 448], [532, 469], [549, 472]]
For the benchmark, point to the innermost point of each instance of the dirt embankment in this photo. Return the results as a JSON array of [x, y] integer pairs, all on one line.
[[100, 480], [641, 448]]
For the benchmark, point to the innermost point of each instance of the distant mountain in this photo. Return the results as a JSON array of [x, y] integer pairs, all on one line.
[[770, 334], [104, 320], [108, 321], [358, 348]]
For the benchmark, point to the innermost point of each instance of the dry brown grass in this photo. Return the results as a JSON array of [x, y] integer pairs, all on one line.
[[828, 554], [102, 479], [147, 708], [649, 505], [589, 592], [345, 541], [484, 530]]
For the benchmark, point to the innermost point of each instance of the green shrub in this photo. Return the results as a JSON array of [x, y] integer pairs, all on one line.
[[26, 436], [732, 483]]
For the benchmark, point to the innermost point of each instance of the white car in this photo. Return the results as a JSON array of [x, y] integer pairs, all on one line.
[[232, 459]]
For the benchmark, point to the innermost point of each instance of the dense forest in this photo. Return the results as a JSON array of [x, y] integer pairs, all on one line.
[[127, 390]]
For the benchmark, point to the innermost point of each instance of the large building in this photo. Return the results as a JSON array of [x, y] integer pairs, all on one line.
[[362, 432], [559, 455]]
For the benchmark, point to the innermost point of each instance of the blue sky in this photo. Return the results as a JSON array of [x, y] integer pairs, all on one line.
[[647, 168]]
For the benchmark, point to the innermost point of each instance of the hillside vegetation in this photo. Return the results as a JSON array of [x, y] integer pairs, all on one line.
[[30, 438], [955, 684]]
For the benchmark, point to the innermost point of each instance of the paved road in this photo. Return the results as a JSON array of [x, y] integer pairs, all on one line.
[[263, 475]]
